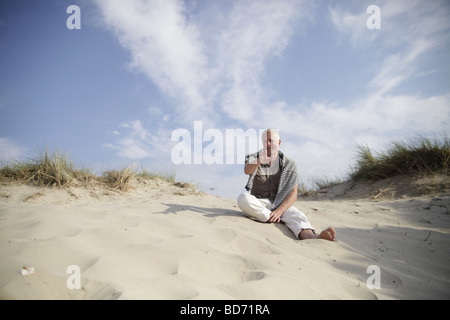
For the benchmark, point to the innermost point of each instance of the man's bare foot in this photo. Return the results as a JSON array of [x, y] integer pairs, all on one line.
[[328, 234]]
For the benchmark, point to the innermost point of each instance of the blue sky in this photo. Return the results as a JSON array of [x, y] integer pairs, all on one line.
[[112, 93]]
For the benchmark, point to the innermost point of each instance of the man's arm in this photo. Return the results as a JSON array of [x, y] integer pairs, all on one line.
[[261, 158], [251, 167], [276, 214]]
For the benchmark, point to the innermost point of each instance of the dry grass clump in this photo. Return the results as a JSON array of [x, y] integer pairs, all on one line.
[[166, 175], [417, 166], [47, 169], [119, 179], [53, 168], [416, 156]]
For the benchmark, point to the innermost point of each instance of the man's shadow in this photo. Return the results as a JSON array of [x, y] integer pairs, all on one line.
[[173, 208]]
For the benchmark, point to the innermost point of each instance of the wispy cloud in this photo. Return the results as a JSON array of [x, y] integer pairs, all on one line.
[[409, 30], [134, 142], [10, 150], [217, 69], [256, 32], [163, 45], [322, 138], [210, 69], [329, 130], [352, 23]]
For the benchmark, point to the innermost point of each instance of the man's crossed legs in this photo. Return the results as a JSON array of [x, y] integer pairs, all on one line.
[[259, 210]]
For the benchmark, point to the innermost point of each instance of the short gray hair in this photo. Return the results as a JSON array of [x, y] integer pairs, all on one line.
[[273, 131]]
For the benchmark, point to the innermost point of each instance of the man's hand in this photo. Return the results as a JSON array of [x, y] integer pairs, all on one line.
[[275, 216], [263, 157]]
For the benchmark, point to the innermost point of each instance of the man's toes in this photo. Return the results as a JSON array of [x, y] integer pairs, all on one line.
[[332, 233], [328, 234]]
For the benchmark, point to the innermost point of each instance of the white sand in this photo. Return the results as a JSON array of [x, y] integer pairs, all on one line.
[[160, 241]]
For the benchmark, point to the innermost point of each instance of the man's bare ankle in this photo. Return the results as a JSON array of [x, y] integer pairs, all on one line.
[[307, 234]]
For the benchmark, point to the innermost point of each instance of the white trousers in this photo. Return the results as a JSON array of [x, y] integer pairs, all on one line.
[[259, 210]]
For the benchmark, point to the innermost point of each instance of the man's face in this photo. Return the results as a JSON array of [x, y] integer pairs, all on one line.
[[271, 144]]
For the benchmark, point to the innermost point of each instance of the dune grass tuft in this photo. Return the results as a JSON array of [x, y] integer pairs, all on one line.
[[162, 174], [119, 179], [48, 168], [53, 168], [419, 155]]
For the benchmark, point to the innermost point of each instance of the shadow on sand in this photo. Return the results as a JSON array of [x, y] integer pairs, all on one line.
[[210, 212]]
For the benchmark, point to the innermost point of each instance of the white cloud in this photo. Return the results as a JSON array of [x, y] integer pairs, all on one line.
[[9, 150], [134, 144], [221, 65], [323, 137], [403, 22], [353, 24], [136, 129], [138, 143], [163, 44], [409, 29], [131, 149], [256, 32]]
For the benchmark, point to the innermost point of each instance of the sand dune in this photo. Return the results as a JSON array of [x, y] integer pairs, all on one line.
[[160, 241]]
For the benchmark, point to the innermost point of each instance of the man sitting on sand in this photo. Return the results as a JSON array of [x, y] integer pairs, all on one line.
[[273, 190]]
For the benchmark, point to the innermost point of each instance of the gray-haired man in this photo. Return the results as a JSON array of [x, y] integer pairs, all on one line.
[[272, 187]]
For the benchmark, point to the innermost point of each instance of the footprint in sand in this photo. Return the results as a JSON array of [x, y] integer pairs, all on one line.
[[252, 276], [224, 236]]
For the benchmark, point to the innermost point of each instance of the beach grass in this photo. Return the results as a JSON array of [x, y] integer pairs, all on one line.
[[419, 155], [47, 168], [166, 175], [326, 182], [54, 168], [119, 179]]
